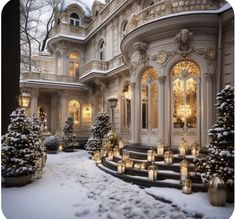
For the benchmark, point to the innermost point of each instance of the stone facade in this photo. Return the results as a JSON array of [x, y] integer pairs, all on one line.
[[107, 53]]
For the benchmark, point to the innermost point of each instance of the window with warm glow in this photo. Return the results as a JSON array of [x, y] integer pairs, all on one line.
[[127, 106], [74, 19], [149, 99], [74, 111], [74, 64], [185, 84]]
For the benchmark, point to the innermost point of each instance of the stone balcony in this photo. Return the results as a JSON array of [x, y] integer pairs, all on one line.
[[170, 7], [26, 76], [67, 29]]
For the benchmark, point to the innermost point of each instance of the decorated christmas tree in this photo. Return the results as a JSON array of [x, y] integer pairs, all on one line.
[[69, 140], [19, 155], [220, 158], [98, 130]]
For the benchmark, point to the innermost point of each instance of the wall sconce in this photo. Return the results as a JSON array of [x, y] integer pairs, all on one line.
[[24, 99]]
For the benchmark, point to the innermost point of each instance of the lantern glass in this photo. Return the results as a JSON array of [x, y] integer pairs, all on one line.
[[151, 155], [128, 163], [152, 172], [160, 149], [168, 157], [120, 167], [195, 149], [97, 157], [137, 165], [121, 144], [110, 155], [24, 100], [104, 152], [113, 102], [116, 152], [184, 164], [187, 186], [125, 155], [183, 147]]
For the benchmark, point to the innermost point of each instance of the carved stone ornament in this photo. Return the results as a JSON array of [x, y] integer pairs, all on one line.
[[184, 45], [132, 23], [210, 53], [161, 57]]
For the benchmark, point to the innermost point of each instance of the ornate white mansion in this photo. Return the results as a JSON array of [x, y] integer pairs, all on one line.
[[164, 60]]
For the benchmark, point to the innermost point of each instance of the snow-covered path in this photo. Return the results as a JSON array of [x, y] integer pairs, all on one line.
[[72, 187]]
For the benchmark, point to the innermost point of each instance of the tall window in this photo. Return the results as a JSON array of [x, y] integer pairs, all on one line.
[[127, 106], [102, 51], [74, 111], [58, 58], [149, 99], [74, 64], [74, 19], [185, 85]]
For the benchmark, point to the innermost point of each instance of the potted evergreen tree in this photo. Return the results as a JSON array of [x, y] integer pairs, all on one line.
[[69, 140], [100, 128], [220, 158], [19, 153]]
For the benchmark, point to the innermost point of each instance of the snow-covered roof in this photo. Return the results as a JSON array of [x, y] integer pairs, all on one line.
[[66, 3]]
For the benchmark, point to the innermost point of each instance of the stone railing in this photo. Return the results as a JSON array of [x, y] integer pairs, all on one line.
[[49, 77], [166, 7], [69, 29], [96, 65], [105, 13]]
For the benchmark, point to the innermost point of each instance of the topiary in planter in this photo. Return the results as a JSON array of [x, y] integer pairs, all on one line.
[[51, 144]]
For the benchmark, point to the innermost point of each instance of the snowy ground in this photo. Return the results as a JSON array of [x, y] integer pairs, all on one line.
[[72, 187]]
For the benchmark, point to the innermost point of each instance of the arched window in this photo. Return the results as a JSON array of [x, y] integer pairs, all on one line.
[[74, 111], [123, 29], [96, 14], [185, 85], [102, 51], [58, 61], [149, 99], [74, 64], [74, 19], [126, 106]]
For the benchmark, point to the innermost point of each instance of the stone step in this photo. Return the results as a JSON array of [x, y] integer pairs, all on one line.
[[145, 182], [163, 173]]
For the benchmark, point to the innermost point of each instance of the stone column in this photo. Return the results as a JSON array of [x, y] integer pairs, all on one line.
[[161, 105], [133, 131], [34, 102], [209, 107], [63, 109]]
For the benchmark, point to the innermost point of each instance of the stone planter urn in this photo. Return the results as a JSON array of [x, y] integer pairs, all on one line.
[[16, 181], [217, 191]]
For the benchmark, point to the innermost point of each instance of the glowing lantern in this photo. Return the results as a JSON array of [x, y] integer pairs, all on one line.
[[184, 170], [152, 172], [120, 167], [104, 152], [116, 152], [183, 147], [142, 166], [121, 144], [110, 155], [151, 155], [97, 157], [137, 165], [195, 149], [160, 148], [125, 155], [24, 100], [187, 186], [168, 157], [128, 163]]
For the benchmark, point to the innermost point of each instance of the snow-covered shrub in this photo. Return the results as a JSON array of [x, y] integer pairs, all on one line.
[[69, 140], [220, 158], [19, 153], [51, 143], [98, 130]]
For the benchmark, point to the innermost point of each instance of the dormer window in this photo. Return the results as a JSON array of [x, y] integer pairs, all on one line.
[[74, 19]]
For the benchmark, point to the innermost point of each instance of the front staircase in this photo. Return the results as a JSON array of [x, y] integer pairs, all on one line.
[[168, 175]]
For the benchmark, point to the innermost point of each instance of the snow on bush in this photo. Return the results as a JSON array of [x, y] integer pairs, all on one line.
[[51, 143]]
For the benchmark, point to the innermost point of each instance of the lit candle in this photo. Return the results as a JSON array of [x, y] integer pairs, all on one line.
[[121, 144], [152, 172], [150, 155], [182, 151], [110, 155], [187, 186], [195, 149], [125, 155], [183, 170], [116, 152], [120, 167], [160, 148], [168, 157]]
